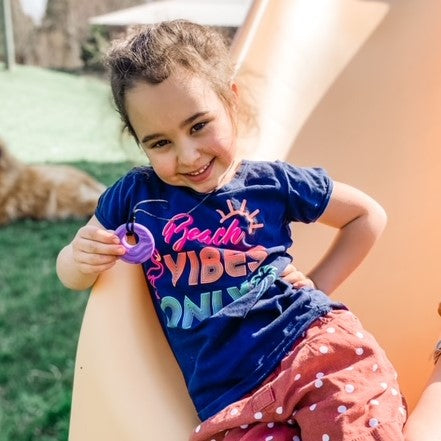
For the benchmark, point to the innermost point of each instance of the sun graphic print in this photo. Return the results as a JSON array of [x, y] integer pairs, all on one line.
[[241, 211]]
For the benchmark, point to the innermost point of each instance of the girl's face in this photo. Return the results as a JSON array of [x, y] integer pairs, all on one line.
[[185, 130]]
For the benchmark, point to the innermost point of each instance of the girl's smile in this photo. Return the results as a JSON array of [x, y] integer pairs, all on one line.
[[186, 131], [202, 173]]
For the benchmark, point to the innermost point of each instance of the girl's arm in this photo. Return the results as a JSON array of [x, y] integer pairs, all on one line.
[[360, 221], [92, 251]]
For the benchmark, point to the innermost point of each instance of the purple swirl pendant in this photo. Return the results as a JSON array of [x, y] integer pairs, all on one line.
[[143, 249]]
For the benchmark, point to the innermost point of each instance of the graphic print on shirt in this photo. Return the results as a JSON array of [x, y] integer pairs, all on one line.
[[204, 256], [156, 271]]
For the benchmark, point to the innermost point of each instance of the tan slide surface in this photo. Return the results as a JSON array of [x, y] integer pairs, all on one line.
[[127, 383], [350, 85]]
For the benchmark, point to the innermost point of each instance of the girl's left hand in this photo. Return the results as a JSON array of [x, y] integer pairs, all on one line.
[[296, 278]]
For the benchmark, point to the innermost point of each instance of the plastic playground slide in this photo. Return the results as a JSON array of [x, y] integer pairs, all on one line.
[[350, 85]]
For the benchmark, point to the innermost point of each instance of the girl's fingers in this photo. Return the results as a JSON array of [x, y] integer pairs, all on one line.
[[106, 236], [88, 244], [95, 249], [294, 277], [304, 283], [100, 248], [95, 234], [290, 268]]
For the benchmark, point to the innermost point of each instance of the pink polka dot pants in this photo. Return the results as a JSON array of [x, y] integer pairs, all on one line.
[[336, 385]]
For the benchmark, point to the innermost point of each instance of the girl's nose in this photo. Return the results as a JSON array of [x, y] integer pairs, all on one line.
[[188, 153]]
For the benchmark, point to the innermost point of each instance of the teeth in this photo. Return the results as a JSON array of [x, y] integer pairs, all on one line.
[[198, 172]]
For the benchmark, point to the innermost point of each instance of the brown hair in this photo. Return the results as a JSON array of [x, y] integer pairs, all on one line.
[[152, 52]]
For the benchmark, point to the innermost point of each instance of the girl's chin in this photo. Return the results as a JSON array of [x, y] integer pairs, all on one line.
[[208, 188]]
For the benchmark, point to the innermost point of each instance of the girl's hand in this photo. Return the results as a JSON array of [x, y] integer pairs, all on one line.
[[297, 279], [95, 249]]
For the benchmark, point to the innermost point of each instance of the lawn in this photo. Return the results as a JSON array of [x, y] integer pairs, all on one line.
[[53, 116], [39, 324], [47, 116]]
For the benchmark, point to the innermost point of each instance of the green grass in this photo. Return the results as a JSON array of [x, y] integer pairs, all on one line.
[[39, 325], [47, 116], [58, 117]]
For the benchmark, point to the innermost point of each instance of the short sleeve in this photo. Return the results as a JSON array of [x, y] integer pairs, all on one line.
[[115, 204], [308, 192]]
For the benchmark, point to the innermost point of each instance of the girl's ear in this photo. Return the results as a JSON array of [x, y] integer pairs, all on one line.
[[235, 89]]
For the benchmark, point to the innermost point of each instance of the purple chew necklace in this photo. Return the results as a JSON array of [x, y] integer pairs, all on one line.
[[144, 246], [143, 249]]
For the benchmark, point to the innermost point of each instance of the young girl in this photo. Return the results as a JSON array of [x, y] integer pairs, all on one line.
[[262, 359]]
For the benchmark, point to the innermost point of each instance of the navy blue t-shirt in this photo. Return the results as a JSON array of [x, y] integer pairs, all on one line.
[[214, 275]]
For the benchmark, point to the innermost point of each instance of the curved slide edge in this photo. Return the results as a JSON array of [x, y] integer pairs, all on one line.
[[127, 384]]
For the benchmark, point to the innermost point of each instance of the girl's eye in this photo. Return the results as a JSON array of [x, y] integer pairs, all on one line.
[[159, 144], [199, 126]]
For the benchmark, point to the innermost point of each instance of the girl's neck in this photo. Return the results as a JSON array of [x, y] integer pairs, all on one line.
[[230, 173]]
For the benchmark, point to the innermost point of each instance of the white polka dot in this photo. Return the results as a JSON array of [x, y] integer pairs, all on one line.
[[320, 375], [279, 410], [213, 439], [269, 438], [350, 368], [383, 385], [373, 422], [375, 402], [270, 425], [375, 367], [294, 413], [290, 422], [394, 392], [244, 426], [312, 407], [235, 411], [342, 409], [198, 429], [326, 437], [258, 415], [318, 383], [330, 330], [359, 335], [324, 349], [359, 351], [402, 410], [297, 377], [395, 376], [349, 388], [295, 438]]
